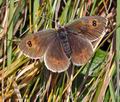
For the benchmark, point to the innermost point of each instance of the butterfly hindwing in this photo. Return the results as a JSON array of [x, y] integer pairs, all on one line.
[[55, 58], [81, 49]]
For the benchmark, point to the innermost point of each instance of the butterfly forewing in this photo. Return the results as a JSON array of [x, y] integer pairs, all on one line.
[[55, 58], [91, 27], [81, 49], [35, 45]]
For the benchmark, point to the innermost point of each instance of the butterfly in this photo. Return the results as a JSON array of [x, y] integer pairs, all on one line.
[[69, 43]]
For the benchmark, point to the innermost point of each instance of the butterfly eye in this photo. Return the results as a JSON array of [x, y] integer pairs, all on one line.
[[94, 23], [29, 43]]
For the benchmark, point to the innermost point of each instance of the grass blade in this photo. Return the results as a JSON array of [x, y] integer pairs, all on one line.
[[118, 50], [10, 33]]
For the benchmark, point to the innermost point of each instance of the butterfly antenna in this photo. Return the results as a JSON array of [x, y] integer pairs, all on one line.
[[46, 18], [57, 23]]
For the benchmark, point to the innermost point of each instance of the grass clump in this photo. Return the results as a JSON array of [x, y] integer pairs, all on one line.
[[22, 78]]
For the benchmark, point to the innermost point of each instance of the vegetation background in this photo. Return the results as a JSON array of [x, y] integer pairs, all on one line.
[[22, 78]]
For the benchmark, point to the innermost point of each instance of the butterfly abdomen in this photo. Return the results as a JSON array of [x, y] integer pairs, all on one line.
[[63, 37]]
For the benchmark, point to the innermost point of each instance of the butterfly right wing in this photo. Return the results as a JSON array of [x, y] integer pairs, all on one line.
[[91, 27], [81, 47], [35, 45]]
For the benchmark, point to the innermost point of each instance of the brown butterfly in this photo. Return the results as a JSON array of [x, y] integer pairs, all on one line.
[[70, 43]]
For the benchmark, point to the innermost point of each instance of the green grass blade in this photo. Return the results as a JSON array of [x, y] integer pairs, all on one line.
[[63, 18], [35, 14], [1, 2], [10, 33], [93, 7]]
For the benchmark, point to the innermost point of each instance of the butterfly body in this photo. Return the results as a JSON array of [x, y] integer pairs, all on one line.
[[70, 42], [63, 37]]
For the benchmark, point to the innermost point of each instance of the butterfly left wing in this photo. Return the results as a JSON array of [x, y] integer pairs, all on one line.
[[81, 48], [35, 45], [91, 27], [55, 58]]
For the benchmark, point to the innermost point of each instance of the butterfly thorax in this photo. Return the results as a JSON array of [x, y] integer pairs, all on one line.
[[63, 37]]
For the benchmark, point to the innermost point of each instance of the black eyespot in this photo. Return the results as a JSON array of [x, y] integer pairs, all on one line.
[[29, 43], [94, 23]]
